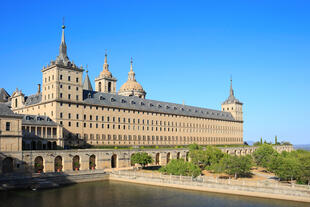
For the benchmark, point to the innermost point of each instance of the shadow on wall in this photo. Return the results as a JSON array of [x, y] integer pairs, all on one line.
[[17, 174]]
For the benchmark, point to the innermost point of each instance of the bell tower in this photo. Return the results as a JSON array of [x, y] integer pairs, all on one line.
[[233, 105], [105, 82], [62, 79]]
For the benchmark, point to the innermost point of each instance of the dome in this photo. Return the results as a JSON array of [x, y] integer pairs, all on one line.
[[131, 85]]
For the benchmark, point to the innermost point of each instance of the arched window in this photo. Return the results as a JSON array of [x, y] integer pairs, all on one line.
[[109, 87], [99, 86]]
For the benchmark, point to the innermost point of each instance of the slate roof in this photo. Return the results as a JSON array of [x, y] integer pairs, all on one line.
[[4, 95], [135, 103], [6, 111], [38, 120], [87, 83], [33, 99]]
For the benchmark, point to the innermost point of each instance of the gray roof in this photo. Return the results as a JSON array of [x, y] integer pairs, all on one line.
[[4, 95], [33, 99], [38, 120], [136, 103], [87, 83], [6, 111]]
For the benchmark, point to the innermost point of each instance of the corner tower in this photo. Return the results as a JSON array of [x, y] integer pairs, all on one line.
[[62, 79], [105, 82], [233, 105]]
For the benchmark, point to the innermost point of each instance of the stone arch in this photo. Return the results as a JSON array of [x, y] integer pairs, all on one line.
[[76, 163], [178, 155], [157, 158], [38, 164], [187, 157], [92, 162], [114, 161], [168, 158], [7, 165], [58, 164]]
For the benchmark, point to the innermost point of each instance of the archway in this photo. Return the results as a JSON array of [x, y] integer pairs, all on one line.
[[7, 165], [38, 164], [114, 161], [76, 163], [58, 164], [178, 155], [92, 162], [187, 157], [168, 158], [157, 160]]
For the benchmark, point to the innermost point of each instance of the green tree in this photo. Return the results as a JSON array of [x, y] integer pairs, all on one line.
[[289, 168], [180, 167], [207, 157], [261, 140], [275, 140], [263, 155], [239, 166], [141, 158]]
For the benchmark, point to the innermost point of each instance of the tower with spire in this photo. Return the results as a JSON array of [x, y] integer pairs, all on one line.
[[233, 105], [61, 78], [105, 82]]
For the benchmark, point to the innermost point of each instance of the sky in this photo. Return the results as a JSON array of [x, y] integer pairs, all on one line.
[[181, 50]]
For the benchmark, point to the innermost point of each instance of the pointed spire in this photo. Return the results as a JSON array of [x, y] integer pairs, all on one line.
[[231, 93], [106, 57], [63, 57], [131, 74], [106, 65], [87, 84]]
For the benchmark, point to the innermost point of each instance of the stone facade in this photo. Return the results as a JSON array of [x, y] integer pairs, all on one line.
[[90, 159], [126, 118]]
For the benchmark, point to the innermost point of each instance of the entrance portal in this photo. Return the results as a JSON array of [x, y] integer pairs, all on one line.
[[114, 161]]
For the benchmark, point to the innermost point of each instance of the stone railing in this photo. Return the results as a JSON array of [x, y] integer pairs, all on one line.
[[210, 182]]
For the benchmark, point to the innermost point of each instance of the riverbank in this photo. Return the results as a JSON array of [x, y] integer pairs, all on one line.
[[259, 190], [294, 193]]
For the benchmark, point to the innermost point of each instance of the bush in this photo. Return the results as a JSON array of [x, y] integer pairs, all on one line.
[[141, 158], [180, 167]]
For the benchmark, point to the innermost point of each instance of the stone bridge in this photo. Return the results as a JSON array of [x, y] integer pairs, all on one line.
[[91, 159]]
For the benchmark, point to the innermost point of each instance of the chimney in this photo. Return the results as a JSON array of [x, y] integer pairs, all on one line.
[[39, 88]]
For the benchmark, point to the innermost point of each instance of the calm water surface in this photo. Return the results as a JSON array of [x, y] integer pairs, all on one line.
[[112, 193]]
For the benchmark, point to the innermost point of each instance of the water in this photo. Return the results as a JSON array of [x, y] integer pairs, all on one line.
[[112, 193]]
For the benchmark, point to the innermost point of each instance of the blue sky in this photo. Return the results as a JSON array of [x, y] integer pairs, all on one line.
[[182, 50]]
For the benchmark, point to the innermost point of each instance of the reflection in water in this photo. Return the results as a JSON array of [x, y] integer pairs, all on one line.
[[112, 193]]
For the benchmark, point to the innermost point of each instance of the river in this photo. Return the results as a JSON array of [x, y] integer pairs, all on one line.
[[113, 193]]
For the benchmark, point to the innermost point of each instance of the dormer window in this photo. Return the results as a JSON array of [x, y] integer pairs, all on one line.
[[175, 108], [159, 106], [151, 105], [132, 102], [113, 99], [101, 98], [167, 107], [123, 101], [27, 117], [48, 119], [142, 103], [89, 95]]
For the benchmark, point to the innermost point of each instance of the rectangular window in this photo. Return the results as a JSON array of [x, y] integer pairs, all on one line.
[[69, 96], [61, 115], [69, 78], [60, 77], [77, 116], [7, 126], [77, 80], [60, 95]]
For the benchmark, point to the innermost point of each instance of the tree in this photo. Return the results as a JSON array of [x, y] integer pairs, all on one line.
[[239, 166], [180, 167], [263, 155], [261, 140], [206, 157], [141, 158], [289, 168], [275, 140]]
